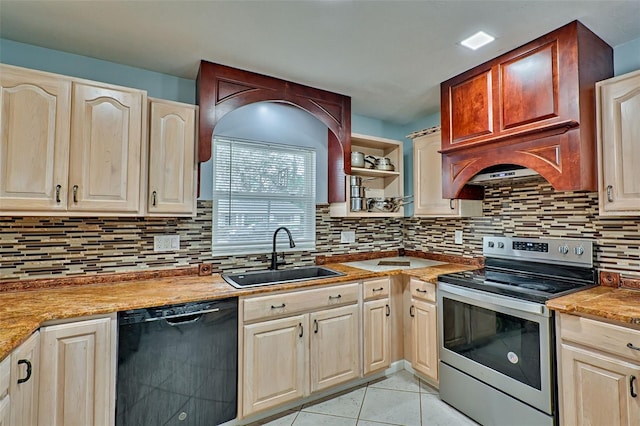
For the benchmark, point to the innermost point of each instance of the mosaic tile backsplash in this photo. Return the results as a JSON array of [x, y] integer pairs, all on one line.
[[36, 247]]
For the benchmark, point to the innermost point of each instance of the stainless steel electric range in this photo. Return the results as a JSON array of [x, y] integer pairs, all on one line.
[[497, 351]]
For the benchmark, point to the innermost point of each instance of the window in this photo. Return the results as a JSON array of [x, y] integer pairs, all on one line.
[[258, 187]]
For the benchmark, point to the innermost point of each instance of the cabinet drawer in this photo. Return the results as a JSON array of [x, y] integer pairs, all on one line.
[[298, 301], [5, 369], [422, 290], [600, 335], [376, 288]]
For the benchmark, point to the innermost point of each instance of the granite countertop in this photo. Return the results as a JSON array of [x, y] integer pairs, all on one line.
[[22, 312], [617, 304]]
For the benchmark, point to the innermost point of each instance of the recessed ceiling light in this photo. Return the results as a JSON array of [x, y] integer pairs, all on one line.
[[477, 40]]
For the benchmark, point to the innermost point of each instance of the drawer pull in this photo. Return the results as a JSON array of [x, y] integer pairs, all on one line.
[[335, 297], [301, 329], [411, 311], [378, 289], [26, 379], [631, 346], [632, 391], [388, 310], [278, 307], [419, 290], [315, 326]]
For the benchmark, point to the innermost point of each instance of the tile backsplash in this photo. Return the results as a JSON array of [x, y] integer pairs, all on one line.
[[46, 247]]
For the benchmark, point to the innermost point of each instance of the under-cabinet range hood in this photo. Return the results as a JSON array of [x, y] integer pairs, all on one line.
[[533, 106], [503, 173]]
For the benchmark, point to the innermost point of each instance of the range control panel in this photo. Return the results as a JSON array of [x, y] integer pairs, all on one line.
[[573, 251]]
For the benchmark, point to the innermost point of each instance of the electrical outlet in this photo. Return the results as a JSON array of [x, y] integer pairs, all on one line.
[[348, 237], [166, 242], [457, 238]]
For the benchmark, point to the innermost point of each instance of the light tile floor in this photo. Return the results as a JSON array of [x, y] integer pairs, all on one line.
[[400, 399]]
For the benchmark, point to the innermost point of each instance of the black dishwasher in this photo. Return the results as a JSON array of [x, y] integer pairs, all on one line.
[[177, 364]]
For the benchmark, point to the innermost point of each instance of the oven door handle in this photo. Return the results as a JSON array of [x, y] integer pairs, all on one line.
[[496, 300]]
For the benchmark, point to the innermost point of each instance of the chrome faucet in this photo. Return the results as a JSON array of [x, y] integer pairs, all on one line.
[[274, 254]]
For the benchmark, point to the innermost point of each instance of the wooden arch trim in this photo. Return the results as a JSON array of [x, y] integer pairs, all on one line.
[[221, 89]]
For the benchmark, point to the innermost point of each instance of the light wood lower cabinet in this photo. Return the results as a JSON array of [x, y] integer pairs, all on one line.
[[598, 372], [376, 325], [313, 345], [25, 374], [5, 399], [334, 348], [77, 373], [424, 337], [275, 362]]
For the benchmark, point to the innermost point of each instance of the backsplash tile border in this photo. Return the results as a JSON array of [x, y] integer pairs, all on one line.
[[59, 247]]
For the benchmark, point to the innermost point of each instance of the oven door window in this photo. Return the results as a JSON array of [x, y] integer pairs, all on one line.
[[501, 342]]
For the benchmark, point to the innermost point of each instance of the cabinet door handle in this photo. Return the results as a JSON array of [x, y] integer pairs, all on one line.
[[335, 297], [75, 193], [632, 391], [378, 289], [451, 205], [278, 307], [58, 188], [301, 329], [411, 310], [315, 326], [153, 198], [632, 346], [25, 361], [610, 193], [388, 310]]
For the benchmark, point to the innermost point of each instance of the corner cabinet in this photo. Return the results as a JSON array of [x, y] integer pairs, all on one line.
[[5, 398], [309, 338], [599, 369], [377, 183], [618, 118], [172, 159], [69, 147], [427, 182], [25, 375]]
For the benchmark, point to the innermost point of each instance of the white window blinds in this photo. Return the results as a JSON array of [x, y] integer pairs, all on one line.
[[258, 187]]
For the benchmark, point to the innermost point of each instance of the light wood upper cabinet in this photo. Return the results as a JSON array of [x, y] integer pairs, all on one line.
[[70, 147], [105, 149], [25, 373], [618, 111], [598, 372], [172, 162], [335, 351], [427, 182], [34, 151], [77, 373]]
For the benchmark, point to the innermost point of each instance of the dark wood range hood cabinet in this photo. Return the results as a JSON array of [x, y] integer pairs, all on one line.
[[533, 106], [222, 89]]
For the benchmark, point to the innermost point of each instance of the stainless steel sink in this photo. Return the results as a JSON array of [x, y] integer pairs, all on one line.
[[269, 277]]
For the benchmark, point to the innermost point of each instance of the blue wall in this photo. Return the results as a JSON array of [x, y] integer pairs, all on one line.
[[626, 57], [157, 85]]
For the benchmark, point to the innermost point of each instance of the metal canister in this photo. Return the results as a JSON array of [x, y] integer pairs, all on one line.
[[357, 191], [355, 180], [357, 204]]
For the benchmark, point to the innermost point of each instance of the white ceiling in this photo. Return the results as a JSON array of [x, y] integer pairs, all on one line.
[[389, 56]]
